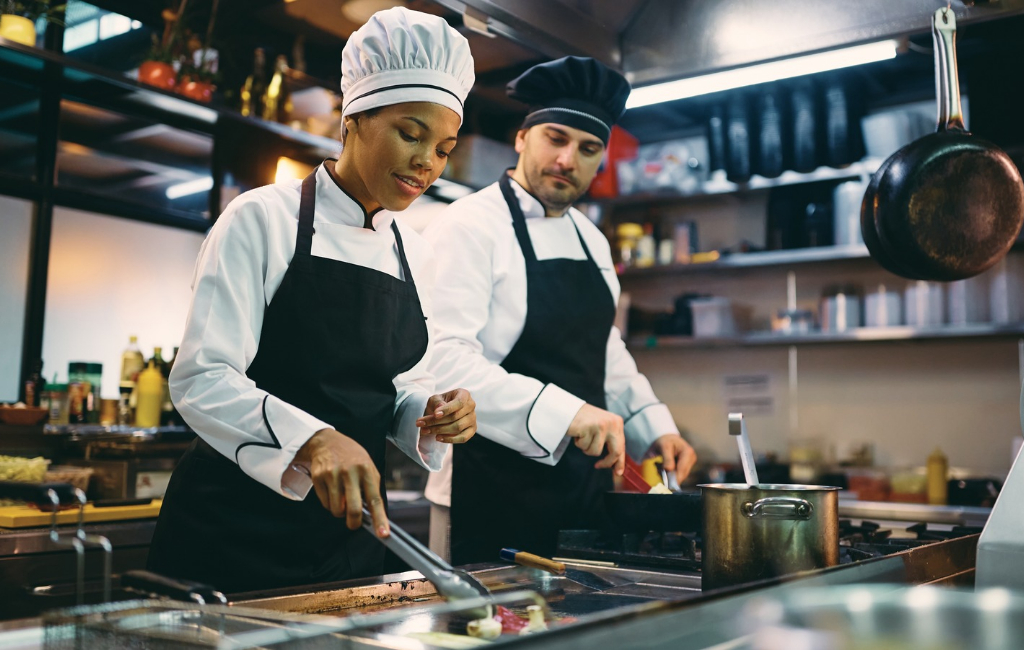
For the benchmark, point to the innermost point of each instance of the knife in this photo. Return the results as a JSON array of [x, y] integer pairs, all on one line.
[[585, 578]]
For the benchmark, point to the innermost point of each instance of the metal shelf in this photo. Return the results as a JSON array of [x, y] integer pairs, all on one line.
[[754, 260], [862, 168], [857, 335]]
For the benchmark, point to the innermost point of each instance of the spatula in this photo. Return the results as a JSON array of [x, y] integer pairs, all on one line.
[[585, 578]]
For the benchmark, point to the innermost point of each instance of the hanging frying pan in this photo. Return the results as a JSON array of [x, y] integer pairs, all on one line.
[[870, 235], [949, 205]]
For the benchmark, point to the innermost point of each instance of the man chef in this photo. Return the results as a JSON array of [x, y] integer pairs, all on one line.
[[524, 304]]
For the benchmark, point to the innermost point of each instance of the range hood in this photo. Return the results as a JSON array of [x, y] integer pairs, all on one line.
[[658, 40]]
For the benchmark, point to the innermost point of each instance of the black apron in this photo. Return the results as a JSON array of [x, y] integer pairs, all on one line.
[[334, 337], [500, 498]]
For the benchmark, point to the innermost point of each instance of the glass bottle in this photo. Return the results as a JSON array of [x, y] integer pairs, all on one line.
[[277, 103], [132, 361], [35, 384], [255, 85]]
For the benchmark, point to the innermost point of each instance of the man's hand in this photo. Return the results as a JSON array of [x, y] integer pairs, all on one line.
[[450, 417], [344, 476], [596, 430], [677, 454]]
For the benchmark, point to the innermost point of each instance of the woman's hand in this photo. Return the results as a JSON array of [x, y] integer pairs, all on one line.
[[344, 476], [449, 417]]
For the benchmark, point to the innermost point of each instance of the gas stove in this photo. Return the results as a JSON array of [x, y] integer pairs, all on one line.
[[681, 552]]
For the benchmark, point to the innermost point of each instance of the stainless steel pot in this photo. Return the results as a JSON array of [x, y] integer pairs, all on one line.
[[765, 531]]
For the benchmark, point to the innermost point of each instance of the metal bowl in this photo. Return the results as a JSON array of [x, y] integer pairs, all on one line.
[[894, 617]]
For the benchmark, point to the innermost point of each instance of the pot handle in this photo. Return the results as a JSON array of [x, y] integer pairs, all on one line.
[[779, 508]]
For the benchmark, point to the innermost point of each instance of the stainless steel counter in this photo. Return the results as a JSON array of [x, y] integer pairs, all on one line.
[[914, 512], [649, 610]]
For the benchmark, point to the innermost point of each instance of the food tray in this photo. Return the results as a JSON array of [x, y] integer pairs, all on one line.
[[76, 476]]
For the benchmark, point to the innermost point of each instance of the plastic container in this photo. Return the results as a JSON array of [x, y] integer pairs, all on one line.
[[150, 388], [76, 476], [924, 302], [883, 308], [712, 317], [938, 474], [627, 236]]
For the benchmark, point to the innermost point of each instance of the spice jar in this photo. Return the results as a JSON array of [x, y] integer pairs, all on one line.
[[55, 400], [89, 375], [628, 236]]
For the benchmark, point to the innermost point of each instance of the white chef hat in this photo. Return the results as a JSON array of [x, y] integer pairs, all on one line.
[[401, 56]]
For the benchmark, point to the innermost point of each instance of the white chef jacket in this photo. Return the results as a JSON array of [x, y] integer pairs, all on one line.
[[241, 265], [480, 312]]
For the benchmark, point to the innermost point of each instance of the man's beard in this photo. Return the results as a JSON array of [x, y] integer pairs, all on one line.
[[553, 199]]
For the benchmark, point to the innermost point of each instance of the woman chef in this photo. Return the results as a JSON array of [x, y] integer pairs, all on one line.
[[306, 345]]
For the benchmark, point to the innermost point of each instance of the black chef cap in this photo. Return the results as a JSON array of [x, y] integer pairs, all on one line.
[[575, 91]]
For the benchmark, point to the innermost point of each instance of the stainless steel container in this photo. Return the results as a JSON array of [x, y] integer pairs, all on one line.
[[765, 531]]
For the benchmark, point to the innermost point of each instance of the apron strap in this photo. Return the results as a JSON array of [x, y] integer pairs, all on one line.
[[518, 219], [519, 222], [401, 252], [307, 205], [586, 251]]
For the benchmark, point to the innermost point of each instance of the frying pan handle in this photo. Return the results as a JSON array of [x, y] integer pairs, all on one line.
[[184, 590], [947, 80]]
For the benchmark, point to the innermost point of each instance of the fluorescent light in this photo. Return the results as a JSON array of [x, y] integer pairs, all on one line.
[[761, 73], [190, 187]]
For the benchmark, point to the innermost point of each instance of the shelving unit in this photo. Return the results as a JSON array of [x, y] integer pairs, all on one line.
[[73, 135], [856, 335], [754, 260], [860, 169]]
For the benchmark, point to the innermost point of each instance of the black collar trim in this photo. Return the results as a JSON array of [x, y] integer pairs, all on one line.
[[367, 216]]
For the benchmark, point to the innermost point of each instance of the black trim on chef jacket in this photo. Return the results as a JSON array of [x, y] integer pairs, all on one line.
[[501, 498], [333, 339], [367, 216]]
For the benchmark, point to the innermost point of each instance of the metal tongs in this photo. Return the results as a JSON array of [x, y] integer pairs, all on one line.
[[451, 583]]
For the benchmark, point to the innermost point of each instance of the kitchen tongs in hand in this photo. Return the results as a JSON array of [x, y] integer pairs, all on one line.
[[453, 584]]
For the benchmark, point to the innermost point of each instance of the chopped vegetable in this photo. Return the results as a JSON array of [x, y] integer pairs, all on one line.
[[484, 628]]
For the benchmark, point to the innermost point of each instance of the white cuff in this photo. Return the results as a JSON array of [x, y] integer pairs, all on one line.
[[548, 420], [644, 427], [425, 450], [270, 463]]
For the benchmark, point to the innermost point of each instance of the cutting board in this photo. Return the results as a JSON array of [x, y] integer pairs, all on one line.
[[28, 517]]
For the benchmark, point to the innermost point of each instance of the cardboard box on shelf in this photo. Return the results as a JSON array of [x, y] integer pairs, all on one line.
[[478, 161]]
